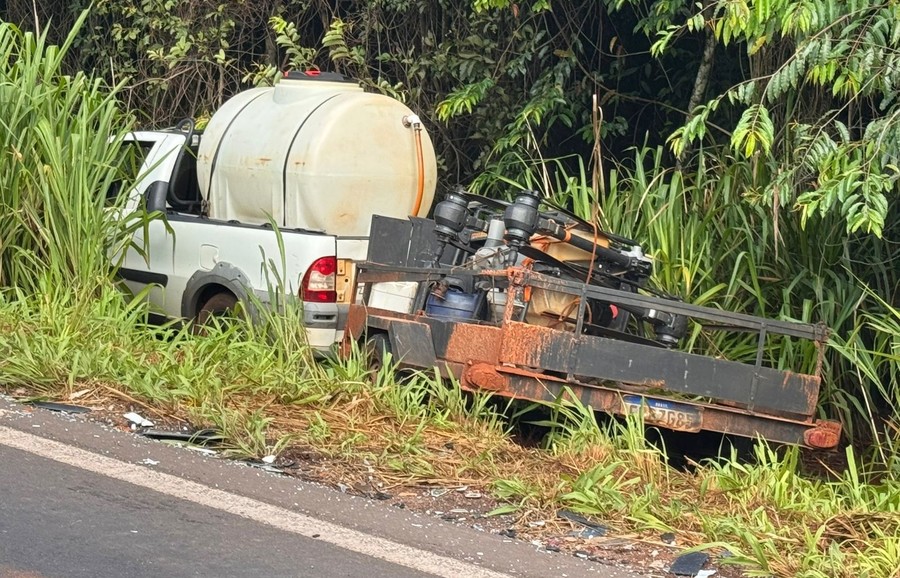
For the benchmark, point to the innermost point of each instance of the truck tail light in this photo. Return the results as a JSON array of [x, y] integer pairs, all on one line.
[[319, 282]]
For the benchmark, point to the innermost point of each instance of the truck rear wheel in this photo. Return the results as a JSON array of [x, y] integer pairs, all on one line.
[[218, 306]]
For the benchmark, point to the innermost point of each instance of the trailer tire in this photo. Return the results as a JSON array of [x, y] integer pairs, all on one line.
[[377, 348]]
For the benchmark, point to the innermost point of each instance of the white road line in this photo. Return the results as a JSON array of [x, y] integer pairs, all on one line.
[[249, 508]]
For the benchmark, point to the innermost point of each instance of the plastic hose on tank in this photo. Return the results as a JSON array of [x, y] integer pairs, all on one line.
[[413, 121]]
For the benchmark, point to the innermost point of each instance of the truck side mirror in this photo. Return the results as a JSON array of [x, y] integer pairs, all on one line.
[[155, 196]]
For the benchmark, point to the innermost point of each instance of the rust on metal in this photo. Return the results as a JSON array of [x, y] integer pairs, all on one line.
[[713, 417], [472, 342], [516, 278], [826, 434], [810, 385], [522, 372], [484, 376], [530, 345], [356, 322], [345, 349], [809, 381], [652, 383]]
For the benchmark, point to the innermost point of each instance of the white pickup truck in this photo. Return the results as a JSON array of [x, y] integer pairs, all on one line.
[[316, 157]]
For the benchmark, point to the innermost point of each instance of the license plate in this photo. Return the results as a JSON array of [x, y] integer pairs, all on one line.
[[665, 413]]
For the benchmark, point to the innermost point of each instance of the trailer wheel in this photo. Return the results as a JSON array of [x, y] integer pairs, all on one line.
[[378, 347], [218, 306]]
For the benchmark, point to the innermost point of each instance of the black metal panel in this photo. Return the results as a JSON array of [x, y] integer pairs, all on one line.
[[439, 333], [690, 374], [423, 245], [406, 243], [558, 353], [389, 240], [411, 343]]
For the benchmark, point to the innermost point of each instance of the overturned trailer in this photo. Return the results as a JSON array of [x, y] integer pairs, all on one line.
[[535, 304]]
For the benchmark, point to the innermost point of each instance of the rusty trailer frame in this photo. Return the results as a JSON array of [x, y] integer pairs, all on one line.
[[617, 376]]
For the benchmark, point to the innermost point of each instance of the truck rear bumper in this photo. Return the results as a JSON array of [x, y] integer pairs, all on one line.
[[321, 322]]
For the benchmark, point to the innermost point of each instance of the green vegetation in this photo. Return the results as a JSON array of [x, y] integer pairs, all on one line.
[[775, 197], [56, 158]]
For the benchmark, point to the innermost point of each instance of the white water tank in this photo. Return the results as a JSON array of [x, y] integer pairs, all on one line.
[[315, 152]]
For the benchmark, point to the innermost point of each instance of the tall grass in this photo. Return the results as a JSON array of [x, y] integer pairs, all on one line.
[[872, 350], [56, 164]]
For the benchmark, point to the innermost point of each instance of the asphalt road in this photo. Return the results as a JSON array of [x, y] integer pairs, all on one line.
[[58, 520], [76, 499]]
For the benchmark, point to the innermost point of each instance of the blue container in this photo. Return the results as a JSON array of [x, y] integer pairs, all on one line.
[[455, 304]]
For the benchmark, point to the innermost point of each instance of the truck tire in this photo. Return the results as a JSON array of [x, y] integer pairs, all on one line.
[[219, 305]]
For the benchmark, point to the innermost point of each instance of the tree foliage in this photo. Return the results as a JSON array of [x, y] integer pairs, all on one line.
[[805, 90], [489, 80], [816, 100]]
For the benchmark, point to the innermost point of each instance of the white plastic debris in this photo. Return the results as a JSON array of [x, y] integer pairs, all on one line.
[[199, 449], [149, 462], [705, 573], [268, 460], [138, 419]]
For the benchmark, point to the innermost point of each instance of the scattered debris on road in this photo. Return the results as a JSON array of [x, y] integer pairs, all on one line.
[[564, 531], [588, 533], [582, 521], [689, 564], [138, 420], [202, 437], [59, 407], [264, 466]]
